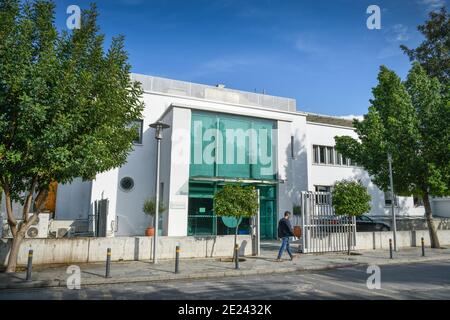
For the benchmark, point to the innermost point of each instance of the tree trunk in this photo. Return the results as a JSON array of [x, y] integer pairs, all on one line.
[[434, 240], [20, 232], [349, 233], [14, 252]]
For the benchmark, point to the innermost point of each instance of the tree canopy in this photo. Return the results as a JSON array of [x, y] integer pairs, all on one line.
[[236, 201], [350, 198], [434, 52], [408, 120], [65, 103]]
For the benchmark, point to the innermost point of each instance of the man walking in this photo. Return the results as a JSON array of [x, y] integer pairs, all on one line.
[[284, 233]]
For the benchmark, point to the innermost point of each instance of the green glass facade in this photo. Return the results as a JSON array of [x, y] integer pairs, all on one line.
[[229, 147]]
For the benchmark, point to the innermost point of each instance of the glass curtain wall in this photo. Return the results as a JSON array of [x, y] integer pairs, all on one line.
[[229, 147]]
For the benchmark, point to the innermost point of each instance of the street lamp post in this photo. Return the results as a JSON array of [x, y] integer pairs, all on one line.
[[159, 127], [391, 181]]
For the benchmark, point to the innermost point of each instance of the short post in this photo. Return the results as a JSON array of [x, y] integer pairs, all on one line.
[[390, 248], [177, 259], [236, 256], [423, 247], [29, 265], [108, 263]]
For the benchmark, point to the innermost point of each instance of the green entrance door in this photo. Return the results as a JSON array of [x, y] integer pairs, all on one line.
[[268, 219]]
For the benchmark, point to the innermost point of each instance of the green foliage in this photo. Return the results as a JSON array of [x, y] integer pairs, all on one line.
[[409, 120], [350, 198], [65, 104], [150, 207], [236, 201], [434, 52]]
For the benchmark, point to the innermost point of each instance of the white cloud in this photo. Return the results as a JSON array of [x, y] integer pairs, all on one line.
[[352, 116], [306, 43], [432, 5], [398, 32], [221, 65]]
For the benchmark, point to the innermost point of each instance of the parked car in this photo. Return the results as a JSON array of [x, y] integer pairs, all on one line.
[[364, 223]]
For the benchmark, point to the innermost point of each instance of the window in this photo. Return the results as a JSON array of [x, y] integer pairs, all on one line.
[[345, 161], [418, 201], [322, 198], [322, 154], [127, 184], [387, 199], [330, 153], [363, 219], [323, 188], [138, 125], [338, 158], [316, 154]]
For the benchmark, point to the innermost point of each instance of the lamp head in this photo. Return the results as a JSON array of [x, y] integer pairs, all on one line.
[[159, 127]]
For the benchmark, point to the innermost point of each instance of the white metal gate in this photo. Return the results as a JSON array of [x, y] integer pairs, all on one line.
[[322, 230]]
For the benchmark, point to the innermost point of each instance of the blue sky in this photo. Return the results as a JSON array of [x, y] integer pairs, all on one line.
[[318, 52]]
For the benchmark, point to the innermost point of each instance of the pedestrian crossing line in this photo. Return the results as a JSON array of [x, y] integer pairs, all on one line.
[[366, 291]]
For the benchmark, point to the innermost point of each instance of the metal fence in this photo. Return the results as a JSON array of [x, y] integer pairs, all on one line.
[[200, 91], [322, 230], [212, 225]]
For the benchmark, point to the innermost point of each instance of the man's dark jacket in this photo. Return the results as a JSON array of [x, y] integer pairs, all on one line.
[[285, 228]]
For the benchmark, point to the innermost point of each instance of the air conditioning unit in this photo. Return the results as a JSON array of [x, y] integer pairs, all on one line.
[[38, 230]]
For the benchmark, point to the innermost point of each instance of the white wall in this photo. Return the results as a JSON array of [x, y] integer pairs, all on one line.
[[298, 165], [298, 172], [84, 250], [180, 147]]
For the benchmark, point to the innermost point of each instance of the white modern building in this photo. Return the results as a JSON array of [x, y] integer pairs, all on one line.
[[218, 135]]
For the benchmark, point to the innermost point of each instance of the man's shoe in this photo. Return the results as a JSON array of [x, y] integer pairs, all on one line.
[[293, 256], [278, 260]]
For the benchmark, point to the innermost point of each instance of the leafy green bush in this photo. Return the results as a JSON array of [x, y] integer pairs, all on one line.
[[350, 198]]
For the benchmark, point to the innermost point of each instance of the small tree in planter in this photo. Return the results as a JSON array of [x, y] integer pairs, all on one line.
[[236, 201], [350, 198], [149, 208]]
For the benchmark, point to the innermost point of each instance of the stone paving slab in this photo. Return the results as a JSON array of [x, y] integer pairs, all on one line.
[[146, 271]]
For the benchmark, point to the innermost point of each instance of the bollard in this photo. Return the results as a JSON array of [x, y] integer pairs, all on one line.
[[423, 247], [29, 265], [236, 256], [177, 259], [108, 263], [390, 248]]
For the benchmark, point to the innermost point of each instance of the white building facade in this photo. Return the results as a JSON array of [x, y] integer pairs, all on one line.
[[216, 136]]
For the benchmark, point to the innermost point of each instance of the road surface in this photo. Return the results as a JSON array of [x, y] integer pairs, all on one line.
[[428, 280]]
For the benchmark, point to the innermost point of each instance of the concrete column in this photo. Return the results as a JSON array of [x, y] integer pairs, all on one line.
[[178, 189]]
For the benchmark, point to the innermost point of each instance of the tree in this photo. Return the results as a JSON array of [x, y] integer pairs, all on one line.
[[65, 106], [236, 201], [350, 198], [409, 120], [149, 207], [434, 52]]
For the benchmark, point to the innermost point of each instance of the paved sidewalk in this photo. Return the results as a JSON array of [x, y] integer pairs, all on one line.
[[145, 271]]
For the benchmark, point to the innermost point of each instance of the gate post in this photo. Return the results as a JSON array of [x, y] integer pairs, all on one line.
[[302, 216]]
